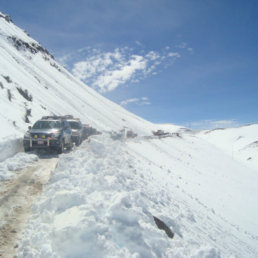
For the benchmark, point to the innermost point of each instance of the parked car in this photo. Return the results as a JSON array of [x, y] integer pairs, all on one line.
[[131, 134], [160, 133], [88, 131], [50, 133], [77, 129]]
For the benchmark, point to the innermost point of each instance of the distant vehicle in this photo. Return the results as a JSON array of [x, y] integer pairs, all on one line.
[[160, 133], [77, 130], [123, 134], [130, 134], [88, 131], [117, 135], [50, 133]]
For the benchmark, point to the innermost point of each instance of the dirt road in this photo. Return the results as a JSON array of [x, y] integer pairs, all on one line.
[[16, 199]]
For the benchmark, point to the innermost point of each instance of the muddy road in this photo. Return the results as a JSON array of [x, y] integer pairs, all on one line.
[[16, 199]]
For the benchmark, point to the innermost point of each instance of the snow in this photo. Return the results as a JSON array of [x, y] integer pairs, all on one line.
[[101, 198], [208, 175], [9, 146], [11, 166], [240, 143]]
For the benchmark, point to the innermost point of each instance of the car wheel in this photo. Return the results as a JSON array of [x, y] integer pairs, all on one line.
[[70, 145], [78, 142], [61, 148], [26, 149]]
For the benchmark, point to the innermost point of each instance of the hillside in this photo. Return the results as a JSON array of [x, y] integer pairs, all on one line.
[[191, 194], [239, 143], [33, 84]]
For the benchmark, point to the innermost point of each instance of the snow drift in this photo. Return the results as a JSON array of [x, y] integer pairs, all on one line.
[[101, 200]]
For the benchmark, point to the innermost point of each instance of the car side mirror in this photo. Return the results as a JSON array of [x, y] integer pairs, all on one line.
[[29, 127]]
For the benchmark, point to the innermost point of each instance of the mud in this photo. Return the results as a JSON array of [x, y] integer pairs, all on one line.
[[16, 199]]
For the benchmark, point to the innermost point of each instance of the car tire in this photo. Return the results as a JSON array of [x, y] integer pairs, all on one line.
[[26, 149], [70, 145], [61, 148], [78, 141]]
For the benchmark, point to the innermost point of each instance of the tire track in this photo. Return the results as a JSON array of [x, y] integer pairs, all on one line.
[[16, 199]]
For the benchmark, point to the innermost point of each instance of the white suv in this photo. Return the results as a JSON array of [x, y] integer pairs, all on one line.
[[77, 130]]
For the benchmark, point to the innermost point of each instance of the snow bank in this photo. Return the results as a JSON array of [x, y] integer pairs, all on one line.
[[10, 167], [101, 200], [9, 147], [93, 207]]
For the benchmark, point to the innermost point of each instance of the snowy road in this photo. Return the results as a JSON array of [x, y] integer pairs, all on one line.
[[16, 198]]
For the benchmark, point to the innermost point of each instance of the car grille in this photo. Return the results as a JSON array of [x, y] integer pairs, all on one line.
[[39, 135], [35, 143]]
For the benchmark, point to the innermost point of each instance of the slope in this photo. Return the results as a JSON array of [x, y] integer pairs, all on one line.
[[101, 200], [240, 143], [33, 84]]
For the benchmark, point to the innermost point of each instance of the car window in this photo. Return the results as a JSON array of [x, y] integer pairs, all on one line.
[[47, 125], [66, 124], [74, 125]]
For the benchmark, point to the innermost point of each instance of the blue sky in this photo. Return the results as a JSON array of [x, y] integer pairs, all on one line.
[[192, 63]]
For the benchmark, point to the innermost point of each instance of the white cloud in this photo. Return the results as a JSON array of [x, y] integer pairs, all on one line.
[[96, 64], [171, 54], [138, 101], [181, 45], [152, 55], [212, 124], [190, 49], [110, 80], [127, 101], [105, 71], [138, 43]]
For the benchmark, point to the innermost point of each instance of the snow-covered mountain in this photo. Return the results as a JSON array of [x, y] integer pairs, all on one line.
[[240, 143], [33, 84], [103, 196]]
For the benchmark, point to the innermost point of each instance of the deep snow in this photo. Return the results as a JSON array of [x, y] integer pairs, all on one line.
[[10, 167], [101, 200]]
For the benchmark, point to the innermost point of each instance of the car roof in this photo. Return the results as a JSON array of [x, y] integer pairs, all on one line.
[[74, 120], [55, 120]]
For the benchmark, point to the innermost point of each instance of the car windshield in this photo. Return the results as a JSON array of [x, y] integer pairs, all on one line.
[[47, 125], [74, 125]]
